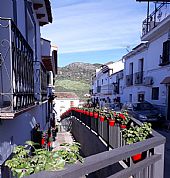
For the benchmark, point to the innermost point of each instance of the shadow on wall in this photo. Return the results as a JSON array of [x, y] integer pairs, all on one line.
[[90, 145]]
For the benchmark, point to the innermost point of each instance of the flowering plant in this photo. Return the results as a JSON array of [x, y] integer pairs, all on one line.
[[123, 118]]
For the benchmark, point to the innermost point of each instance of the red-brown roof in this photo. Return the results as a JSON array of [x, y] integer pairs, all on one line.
[[48, 6], [47, 61], [66, 95]]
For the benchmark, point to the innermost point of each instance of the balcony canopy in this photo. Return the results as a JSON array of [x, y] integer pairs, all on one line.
[[166, 80]]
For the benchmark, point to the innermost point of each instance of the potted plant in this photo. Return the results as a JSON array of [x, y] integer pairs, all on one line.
[[24, 163], [91, 112], [122, 118], [96, 113], [112, 119], [136, 134], [102, 116]]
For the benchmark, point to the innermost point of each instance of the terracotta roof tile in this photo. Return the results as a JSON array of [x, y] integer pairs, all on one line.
[[66, 95]]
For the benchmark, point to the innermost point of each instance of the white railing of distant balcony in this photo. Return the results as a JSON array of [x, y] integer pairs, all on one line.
[[159, 14]]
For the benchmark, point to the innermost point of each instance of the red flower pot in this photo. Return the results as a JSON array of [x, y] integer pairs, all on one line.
[[137, 157], [49, 144], [111, 122], [42, 141], [102, 118], [91, 114], [123, 126], [96, 115], [87, 113]]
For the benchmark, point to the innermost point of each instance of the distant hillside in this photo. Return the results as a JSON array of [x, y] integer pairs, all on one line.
[[75, 77]]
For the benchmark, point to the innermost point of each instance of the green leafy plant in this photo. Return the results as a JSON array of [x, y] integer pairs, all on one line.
[[24, 162], [137, 133]]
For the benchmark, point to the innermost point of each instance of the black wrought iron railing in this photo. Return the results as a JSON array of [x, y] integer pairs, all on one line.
[[139, 77], [159, 14], [16, 69], [129, 80], [43, 83]]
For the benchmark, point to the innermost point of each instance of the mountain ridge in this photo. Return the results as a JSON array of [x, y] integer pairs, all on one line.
[[75, 77]]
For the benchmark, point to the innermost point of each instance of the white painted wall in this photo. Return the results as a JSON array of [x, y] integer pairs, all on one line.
[[105, 80], [152, 69], [20, 129], [6, 10], [62, 105]]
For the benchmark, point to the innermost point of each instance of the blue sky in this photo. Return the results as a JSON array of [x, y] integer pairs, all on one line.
[[94, 31]]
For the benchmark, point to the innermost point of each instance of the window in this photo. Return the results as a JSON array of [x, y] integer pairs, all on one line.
[[141, 97], [155, 93], [131, 68], [71, 103], [130, 97], [140, 65]]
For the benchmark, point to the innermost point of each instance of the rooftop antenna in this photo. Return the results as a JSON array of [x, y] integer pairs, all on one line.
[[128, 48]]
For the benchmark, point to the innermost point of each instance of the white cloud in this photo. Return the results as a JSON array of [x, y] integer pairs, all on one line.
[[95, 25]]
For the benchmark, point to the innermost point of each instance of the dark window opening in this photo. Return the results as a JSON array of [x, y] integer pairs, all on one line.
[[155, 93], [141, 97]]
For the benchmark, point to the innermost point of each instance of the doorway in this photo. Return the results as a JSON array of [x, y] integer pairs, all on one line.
[[168, 106]]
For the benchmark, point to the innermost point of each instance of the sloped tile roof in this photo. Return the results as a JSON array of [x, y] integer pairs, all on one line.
[[66, 95]]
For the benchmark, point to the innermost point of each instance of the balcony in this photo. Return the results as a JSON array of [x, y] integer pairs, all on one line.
[[139, 78], [158, 18], [107, 89], [129, 80], [16, 71], [107, 153]]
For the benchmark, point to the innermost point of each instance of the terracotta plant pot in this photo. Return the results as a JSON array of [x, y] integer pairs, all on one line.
[[91, 114], [95, 115], [111, 122], [42, 141], [137, 157], [123, 126], [102, 118], [81, 111], [49, 144], [87, 113]]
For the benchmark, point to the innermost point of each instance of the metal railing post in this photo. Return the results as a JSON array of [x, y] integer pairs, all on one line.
[[158, 167]]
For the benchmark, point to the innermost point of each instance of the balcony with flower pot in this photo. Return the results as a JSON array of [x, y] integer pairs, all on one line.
[[136, 147]]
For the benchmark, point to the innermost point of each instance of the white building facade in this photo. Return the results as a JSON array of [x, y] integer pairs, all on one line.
[[25, 92], [63, 101], [146, 74], [147, 66], [106, 84]]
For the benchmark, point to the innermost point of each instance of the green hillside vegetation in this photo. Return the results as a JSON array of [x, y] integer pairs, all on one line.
[[75, 77], [77, 87], [72, 85]]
